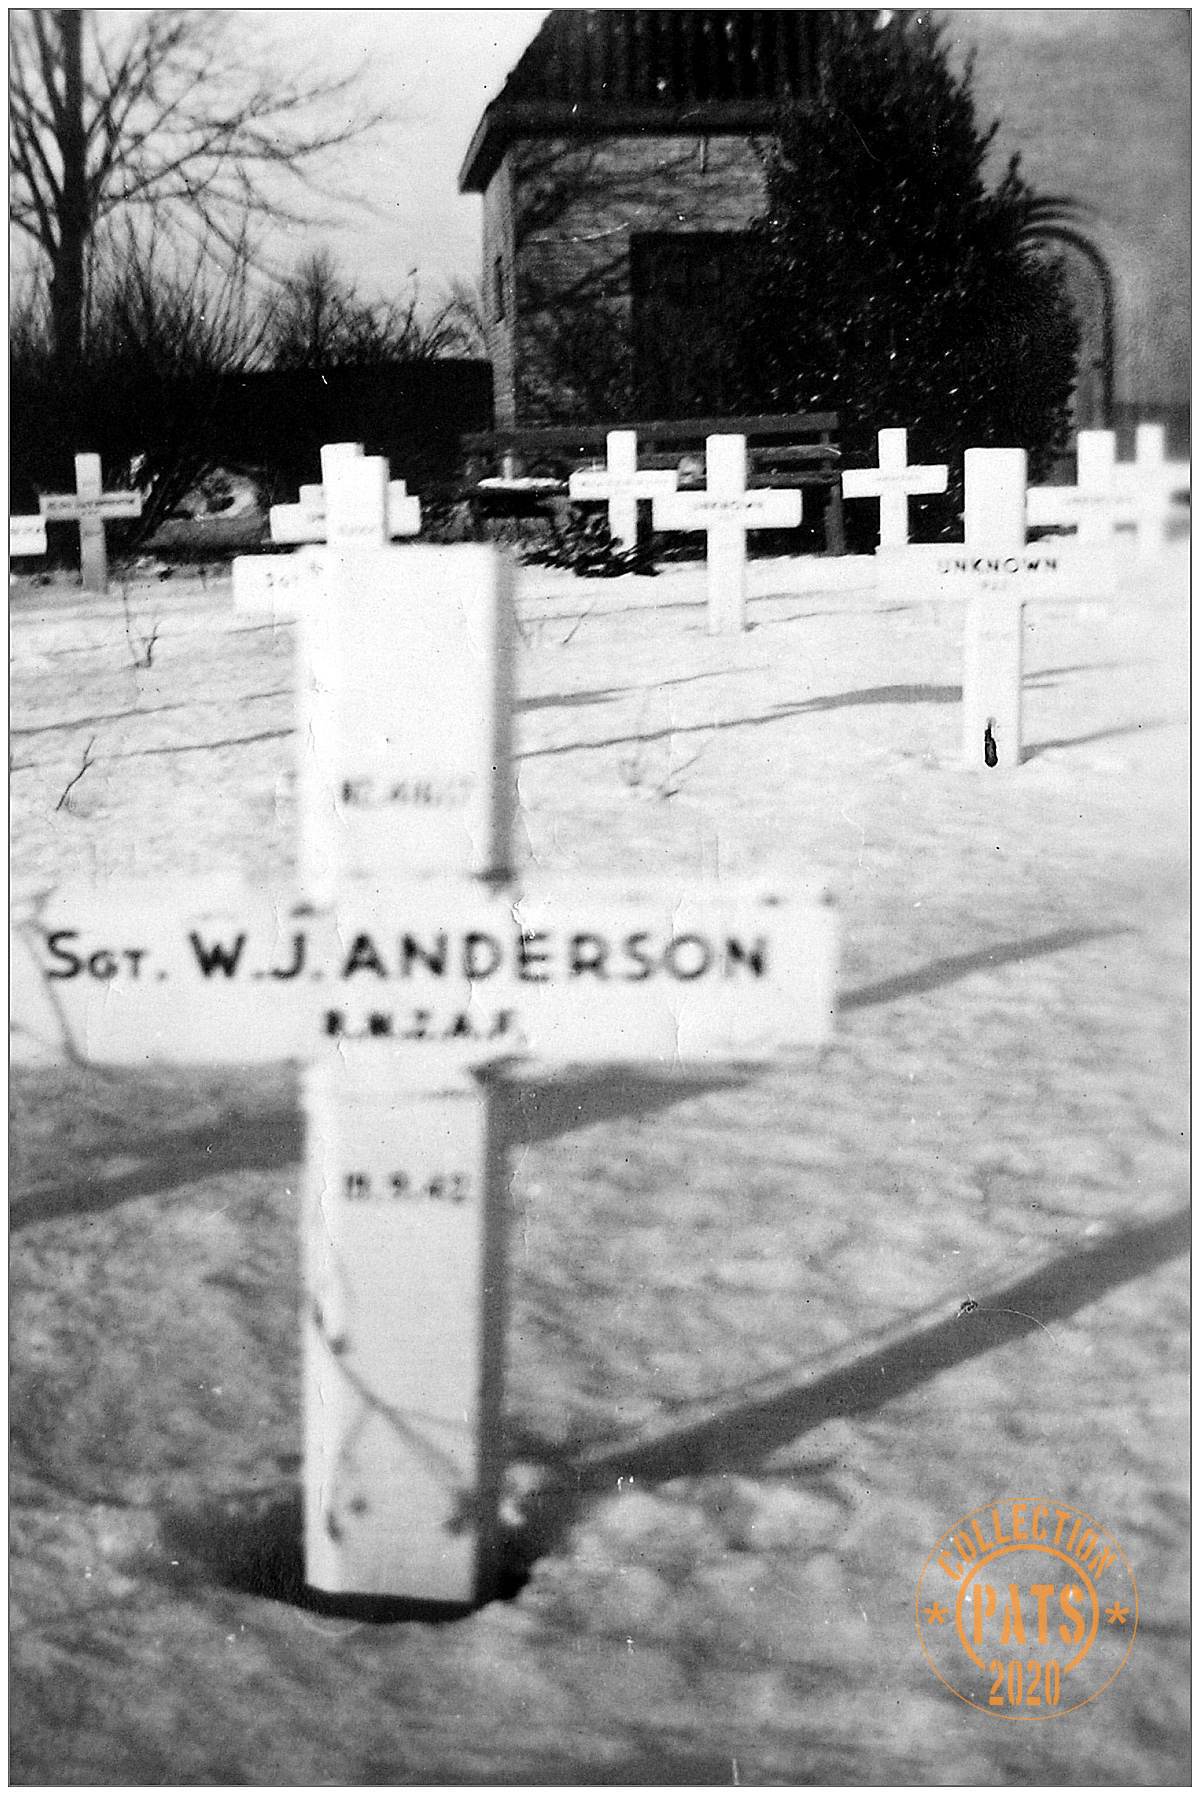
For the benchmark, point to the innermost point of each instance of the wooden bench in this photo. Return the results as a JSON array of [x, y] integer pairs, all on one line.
[[523, 471]]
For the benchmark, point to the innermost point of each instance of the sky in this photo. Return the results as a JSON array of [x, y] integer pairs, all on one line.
[[434, 71]]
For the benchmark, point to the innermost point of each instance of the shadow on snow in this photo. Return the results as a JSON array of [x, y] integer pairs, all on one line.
[[960, 966], [740, 1431], [868, 695]]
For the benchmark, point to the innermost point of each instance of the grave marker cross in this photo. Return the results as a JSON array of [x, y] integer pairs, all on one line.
[[1148, 485], [365, 511], [622, 484], [1092, 504], [726, 510], [994, 572], [308, 521], [89, 506], [893, 483], [409, 965]]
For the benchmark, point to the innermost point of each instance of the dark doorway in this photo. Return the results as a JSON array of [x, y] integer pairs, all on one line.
[[686, 288]]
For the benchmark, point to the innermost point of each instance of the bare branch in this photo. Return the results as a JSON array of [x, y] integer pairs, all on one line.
[[33, 204], [27, 140], [170, 115], [65, 796], [47, 55]]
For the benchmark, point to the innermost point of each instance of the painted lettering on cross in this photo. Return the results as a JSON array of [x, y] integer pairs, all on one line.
[[1004, 566], [434, 793], [584, 971], [534, 956], [543, 956], [70, 507]]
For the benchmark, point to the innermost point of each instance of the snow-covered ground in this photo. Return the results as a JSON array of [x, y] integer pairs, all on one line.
[[747, 1386]]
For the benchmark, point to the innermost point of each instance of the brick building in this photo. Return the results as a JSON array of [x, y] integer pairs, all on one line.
[[623, 160], [618, 167]]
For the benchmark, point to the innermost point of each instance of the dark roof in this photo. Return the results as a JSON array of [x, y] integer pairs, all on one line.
[[590, 73]]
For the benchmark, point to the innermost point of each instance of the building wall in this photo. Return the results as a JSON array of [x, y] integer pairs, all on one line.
[[498, 250], [575, 206], [1097, 102]]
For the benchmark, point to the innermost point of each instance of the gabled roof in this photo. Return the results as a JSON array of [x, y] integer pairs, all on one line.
[[590, 73]]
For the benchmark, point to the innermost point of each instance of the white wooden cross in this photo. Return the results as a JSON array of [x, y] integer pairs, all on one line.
[[893, 482], [26, 536], [89, 505], [408, 965], [1148, 486], [307, 520], [279, 583], [726, 510], [994, 571], [1092, 504], [621, 483]]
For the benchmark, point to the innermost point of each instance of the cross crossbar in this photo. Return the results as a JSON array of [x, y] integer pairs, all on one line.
[[26, 536], [443, 976]]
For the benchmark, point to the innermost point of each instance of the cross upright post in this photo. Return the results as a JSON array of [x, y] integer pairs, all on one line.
[[993, 626], [893, 483], [725, 511], [622, 484], [88, 506], [405, 680]]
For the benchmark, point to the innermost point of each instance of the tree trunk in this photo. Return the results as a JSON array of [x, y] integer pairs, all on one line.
[[67, 277]]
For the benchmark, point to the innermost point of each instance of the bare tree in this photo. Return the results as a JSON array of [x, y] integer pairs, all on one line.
[[170, 334], [466, 312], [161, 111], [320, 320], [310, 316]]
